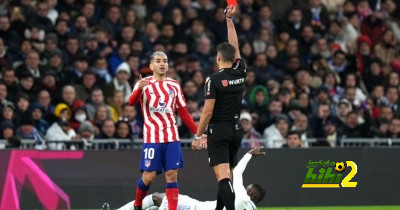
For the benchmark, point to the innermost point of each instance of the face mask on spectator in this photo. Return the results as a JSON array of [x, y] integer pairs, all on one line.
[[80, 117]]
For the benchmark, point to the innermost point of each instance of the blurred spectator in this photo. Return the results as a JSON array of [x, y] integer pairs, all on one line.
[[27, 85], [44, 99], [250, 135], [123, 130], [353, 129], [7, 130], [317, 15], [387, 50], [352, 82], [119, 58], [112, 21], [116, 103], [101, 114], [305, 103], [39, 123], [343, 108], [31, 65], [96, 100], [294, 22], [300, 125], [318, 121], [63, 111], [258, 101], [276, 133], [51, 84], [330, 131], [292, 140], [70, 55], [8, 113], [391, 99], [322, 97], [10, 36], [120, 82], [69, 96], [373, 75], [101, 69], [275, 108], [107, 130], [373, 26], [75, 72], [340, 65], [22, 103], [59, 131], [5, 56], [392, 80], [27, 131], [394, 129], [84, 88], [79, 114], [9, 79], [130, 113], [40, 18]]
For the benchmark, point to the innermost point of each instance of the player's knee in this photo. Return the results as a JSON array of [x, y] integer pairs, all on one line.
[[148, 178], [171, 176]]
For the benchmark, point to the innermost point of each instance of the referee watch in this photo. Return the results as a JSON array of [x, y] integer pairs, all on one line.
[[197, 137]]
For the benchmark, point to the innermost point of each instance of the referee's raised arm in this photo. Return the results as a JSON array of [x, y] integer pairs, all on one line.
[[232, 36]]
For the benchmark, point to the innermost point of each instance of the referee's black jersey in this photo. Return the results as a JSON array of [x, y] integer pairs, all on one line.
[[226, 87]]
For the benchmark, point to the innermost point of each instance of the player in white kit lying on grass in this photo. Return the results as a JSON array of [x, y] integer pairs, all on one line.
[[245, 198]]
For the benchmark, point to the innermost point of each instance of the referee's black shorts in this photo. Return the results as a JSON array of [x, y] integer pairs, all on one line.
[[223, 142]]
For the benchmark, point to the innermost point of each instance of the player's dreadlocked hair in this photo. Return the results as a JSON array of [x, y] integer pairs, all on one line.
[[154, 54]]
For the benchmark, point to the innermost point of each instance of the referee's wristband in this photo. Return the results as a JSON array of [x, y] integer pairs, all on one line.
[[197, 137]]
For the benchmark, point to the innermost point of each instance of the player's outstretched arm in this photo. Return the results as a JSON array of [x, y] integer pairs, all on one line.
[[230, 11], [241, 166]]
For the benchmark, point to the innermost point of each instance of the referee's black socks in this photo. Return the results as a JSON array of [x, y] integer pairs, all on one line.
[[226, 195]]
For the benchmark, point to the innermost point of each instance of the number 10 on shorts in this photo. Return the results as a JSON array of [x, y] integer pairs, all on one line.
[[148, 153]]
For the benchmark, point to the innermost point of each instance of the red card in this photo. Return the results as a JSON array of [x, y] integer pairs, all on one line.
[[231, 2]]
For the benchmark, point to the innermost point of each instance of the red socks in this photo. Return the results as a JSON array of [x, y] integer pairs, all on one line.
[[172, 192], [141, 192]]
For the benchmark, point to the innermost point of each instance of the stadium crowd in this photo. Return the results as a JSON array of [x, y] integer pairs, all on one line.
[[327, 69]]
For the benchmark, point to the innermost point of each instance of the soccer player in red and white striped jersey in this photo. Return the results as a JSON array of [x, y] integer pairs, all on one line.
[[160, 97]]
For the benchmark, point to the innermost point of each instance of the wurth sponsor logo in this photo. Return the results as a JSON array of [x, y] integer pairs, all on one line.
[[232, 82]]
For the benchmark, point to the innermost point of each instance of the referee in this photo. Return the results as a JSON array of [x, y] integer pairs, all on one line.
[[221, 112]]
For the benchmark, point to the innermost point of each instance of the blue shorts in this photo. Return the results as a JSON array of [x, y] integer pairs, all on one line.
[[159, 156]]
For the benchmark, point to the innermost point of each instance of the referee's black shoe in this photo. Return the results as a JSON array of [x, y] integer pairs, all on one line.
[[137, 207], [106, 206]]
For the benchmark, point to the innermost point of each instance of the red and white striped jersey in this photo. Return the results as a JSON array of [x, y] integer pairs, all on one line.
[[158, 101]]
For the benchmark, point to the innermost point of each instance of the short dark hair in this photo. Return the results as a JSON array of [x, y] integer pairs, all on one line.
[[293, 132], [259, 193], [227, 51]]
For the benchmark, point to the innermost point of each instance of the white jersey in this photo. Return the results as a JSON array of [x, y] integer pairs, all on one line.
[[242, 200], [187, 203]]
